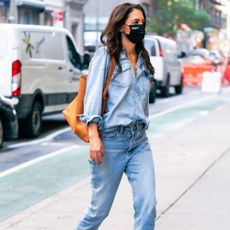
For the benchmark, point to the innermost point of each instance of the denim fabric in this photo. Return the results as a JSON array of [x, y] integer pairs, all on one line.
[[128, 94], [126, 150]]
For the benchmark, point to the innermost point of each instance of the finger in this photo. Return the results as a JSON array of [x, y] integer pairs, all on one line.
[[100, 156], [96, 157], [102, 150], [93, 156], [91, 153]]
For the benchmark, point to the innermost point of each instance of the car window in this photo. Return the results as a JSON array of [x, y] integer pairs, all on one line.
[[150, 46], [74, 57], [42, 45]]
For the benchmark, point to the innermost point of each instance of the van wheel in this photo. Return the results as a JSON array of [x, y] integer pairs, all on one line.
[[1, 132], [165, 89], [179, 88], [152, 94], [33, 123]]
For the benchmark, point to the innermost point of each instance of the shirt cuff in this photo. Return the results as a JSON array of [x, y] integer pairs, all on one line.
[[92, 118]]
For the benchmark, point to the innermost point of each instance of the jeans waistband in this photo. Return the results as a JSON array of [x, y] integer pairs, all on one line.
[[133, 126]]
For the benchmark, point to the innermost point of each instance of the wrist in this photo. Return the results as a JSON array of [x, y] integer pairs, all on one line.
[[93, 135]]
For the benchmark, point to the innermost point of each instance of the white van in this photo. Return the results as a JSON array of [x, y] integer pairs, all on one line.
[[163, 56], [39, 69]]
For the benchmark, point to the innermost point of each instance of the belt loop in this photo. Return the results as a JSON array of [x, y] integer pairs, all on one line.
[[132, 127], [121, 130], [138, 127]]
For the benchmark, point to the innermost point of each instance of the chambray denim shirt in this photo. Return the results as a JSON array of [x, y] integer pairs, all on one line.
[[128, 94]]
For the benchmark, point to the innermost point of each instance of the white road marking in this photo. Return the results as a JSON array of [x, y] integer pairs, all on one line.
[[44, 139], [53, 135], [37, 160], [204, 112], [59, 152], [179, 107]]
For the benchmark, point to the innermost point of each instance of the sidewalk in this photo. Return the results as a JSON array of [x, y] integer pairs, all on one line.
[[193, 174]]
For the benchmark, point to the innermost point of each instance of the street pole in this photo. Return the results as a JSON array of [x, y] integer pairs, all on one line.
[[13, 13]]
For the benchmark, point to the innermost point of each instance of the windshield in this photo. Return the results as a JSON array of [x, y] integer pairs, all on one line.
[[150, 46]]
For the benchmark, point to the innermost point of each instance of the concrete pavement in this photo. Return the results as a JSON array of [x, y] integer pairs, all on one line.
[[192, 170]]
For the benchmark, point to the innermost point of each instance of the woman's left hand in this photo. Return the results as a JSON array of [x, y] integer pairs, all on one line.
[[95, 143]]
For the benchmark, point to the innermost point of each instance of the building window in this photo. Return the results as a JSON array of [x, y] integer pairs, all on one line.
[[4, 9], [48, 18], [28, 16], [2, 15]]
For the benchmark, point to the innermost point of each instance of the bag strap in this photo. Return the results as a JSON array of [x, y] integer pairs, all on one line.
[[108, 79]]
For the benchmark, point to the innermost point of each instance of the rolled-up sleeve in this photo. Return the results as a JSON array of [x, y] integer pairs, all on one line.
[[94, 88]]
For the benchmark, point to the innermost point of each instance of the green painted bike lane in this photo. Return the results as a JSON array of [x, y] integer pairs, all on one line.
[[33, 183]]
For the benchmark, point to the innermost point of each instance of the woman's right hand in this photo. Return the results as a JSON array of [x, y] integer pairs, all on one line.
[[95, 144]]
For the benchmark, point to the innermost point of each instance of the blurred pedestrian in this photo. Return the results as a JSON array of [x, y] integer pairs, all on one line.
[[118, 142]]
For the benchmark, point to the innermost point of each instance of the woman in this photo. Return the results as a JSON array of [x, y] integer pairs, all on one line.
[[118, 142]]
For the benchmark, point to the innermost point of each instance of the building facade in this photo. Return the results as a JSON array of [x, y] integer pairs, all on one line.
[[4, 10], [215, 32], [97, 13], [58, 13], [25, 11], [54, 13], [215, 10], [74, 20], [227, 9]]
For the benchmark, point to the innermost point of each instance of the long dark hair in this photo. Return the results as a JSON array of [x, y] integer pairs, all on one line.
[[111, 36]]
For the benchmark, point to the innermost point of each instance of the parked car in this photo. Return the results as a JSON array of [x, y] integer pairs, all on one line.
[[42, 67], [8, 120], [163, 56], [92, 41]]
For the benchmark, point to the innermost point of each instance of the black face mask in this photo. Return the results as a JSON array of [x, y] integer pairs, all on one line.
[[137, 33]]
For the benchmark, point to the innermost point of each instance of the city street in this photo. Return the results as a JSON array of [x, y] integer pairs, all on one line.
[[117, 57], [56, 134], [45, 183]]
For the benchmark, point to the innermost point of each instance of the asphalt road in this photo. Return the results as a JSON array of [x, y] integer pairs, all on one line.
[[33, 170], [56, 135]]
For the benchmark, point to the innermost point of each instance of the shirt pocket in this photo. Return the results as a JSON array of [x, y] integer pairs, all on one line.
[[122, 79], [145, 82]]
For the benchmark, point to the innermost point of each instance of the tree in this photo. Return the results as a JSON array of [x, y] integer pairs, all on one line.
[[169, 14]]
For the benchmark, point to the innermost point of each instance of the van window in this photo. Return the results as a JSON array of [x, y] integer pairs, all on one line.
[[42, 45], [3, 44], [151, 48], [74, 57]]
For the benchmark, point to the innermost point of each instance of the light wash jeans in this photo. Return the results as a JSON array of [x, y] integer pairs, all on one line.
[[126, 150]]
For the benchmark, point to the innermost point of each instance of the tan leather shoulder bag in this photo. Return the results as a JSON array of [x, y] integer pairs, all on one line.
[[76, 107]]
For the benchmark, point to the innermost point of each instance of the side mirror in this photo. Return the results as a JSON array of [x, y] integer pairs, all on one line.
[[181, 55], [86, 61]]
